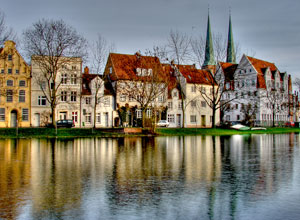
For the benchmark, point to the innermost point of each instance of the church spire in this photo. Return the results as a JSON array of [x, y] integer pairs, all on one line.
[[230, 46], [209, 50]]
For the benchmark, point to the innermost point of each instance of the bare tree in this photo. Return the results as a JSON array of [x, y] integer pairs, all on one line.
[[277, 102], [6, 33], [297, 83], [98, 86], [147, 90], [52, 44], [100, 50], [178, 47]]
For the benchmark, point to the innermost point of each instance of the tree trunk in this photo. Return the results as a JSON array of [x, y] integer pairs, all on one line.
[[213, 125], [53, 116], [95, 109], [183, 110]]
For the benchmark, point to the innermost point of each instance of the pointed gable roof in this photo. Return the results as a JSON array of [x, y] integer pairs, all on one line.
[[228, 70], [261, 67]]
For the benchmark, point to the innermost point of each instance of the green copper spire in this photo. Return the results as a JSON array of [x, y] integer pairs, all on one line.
[[209, 50], [230, 46]]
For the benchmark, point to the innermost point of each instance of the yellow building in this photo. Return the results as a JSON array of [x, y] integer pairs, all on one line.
[[14, 88]]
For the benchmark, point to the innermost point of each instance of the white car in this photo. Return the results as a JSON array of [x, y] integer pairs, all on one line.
[[163, 123]]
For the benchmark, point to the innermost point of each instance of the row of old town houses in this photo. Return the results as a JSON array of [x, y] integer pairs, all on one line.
[[136, 87]]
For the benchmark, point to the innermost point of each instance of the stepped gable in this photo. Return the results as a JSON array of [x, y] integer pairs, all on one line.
[[125, 65]]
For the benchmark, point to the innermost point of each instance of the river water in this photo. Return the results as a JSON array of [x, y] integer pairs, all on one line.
[[192, 177]]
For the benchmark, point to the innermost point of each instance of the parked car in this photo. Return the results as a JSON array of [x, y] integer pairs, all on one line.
[[163, 123], [65, 123]]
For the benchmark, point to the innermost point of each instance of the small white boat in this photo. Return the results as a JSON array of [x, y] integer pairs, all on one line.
[[258, 128]]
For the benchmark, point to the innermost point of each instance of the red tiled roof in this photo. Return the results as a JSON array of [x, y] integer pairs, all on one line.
[[194, 75], [261, 66], [125, 65], [228, 70]]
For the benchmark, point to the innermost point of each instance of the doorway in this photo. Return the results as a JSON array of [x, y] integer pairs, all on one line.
[[13, 118], [37, 120], [178, 119]]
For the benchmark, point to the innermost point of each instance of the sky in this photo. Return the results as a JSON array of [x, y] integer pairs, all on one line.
[[267, 29]]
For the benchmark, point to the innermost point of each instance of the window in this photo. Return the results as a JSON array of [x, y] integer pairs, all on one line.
[[73, 67], [2, 71], [64, 78], [131, 99], [236, 106], [9, 95], [73, 96], [88, 100], [110, 70], [9, 57], [193, 88], [148, 113], [203, 90], [63, 96], [122, 98], [73, 79], [43, 85], [171, 118], [138, 113], [2, 114], [106, 101], [22, 83], [17, 71], [193, 103], [253, 82], [42, 100], [203, 104], [98, 118], [75, 116], [25, 114], [138, 71], [22, 96], [9, 71], [10, 82], [193, 118], [161, 98], [250, 70], [170, 105], [238, 117], [179, 105], [150, 72], [88, 117], [175, 94]]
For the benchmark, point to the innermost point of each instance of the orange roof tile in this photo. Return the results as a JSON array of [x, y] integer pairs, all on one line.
[[194, 75], [125, 65], [260, 67]]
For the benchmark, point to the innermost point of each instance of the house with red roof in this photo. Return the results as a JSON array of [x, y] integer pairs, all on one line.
[[97, 101]]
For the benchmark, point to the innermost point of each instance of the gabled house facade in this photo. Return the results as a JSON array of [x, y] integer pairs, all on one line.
[[67, 92], [260, 93], [15, 88], [97, 101]]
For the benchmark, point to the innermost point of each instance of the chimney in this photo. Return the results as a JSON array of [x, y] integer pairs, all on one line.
[[86, 70]]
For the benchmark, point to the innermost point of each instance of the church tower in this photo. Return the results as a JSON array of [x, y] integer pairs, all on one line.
[[230, 45], [209, 62]]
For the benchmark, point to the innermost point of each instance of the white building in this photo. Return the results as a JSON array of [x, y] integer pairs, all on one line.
[[259, 91], [67, 83], [97, 101]]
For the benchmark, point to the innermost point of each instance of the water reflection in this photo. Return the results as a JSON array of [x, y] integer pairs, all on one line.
[[199, 177]]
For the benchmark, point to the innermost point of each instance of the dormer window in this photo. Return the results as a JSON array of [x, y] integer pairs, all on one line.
[[138, 71], [110, 70], [250, 70], [9, 57], [150, 72], [175, 94]]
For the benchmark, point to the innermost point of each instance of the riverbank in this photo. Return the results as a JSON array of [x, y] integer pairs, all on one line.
[[117, 132]]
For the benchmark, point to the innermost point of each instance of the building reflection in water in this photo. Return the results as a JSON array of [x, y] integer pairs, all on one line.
[[163, 177]]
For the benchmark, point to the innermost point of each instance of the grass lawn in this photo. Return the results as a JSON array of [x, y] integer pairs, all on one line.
[[84, 132], [220, 131]]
